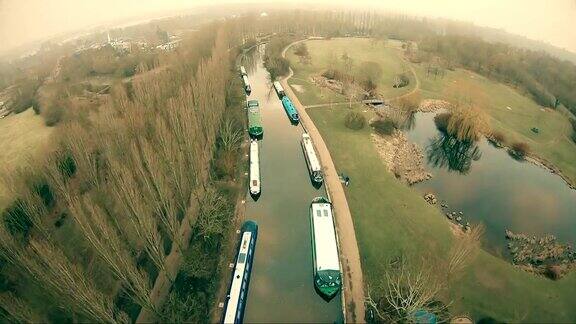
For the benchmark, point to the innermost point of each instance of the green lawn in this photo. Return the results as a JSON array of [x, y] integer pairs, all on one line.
[[392, 219], [327, 54], [22, 137]]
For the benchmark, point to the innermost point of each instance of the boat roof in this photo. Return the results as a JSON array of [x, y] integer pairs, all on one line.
[[254, 116], [278, 86], [311, 153], [324, 237], [288, 105], [234, 302], [254, 163]]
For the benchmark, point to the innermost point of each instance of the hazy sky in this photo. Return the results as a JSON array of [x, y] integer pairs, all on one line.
[[553, 21]]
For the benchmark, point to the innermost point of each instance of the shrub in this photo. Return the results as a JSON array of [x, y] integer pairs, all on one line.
[[553, 272], [441, 121], [498, 137], [355, 120], [520, 149], [401, 81], [384, 126], [53, 114], [334, 74], [467, 124]]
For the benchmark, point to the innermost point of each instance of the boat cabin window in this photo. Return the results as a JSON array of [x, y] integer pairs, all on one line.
[[242, 258]]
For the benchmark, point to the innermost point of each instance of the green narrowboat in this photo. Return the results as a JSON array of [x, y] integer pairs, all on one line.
[[255, 128]]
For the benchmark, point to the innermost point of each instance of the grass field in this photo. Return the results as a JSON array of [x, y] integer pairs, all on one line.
[[22, 137], [391, 219], [326, 54]]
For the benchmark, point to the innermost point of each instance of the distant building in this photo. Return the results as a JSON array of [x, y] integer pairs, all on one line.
[[169, 46]]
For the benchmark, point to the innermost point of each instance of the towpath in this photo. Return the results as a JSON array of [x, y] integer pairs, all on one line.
[[350, 256]]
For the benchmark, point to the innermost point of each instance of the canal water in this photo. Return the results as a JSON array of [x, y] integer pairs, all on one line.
[[281, 285], [492, 188]]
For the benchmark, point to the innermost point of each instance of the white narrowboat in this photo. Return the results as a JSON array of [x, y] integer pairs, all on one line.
[[238, 290], [327, 274], [279, 89], [314, 167], [247, 87], [254, 168]]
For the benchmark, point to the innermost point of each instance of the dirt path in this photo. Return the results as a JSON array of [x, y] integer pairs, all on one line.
[[353, 297]]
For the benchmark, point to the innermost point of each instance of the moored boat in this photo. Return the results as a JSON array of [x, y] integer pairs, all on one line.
[[254, 168], [279, 89], [314, 167], [327, 274], [255, 128], [290, 110], [247, 87], [238, 290]]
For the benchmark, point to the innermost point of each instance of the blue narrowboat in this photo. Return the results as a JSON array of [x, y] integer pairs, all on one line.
[[290, 110], [238, 291]]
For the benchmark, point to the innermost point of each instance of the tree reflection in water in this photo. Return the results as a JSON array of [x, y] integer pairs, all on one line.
[[446, 151]]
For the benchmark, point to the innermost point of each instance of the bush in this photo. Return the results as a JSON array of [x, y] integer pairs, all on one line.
[[384, 126], [441, 121], [335, 74], [498, 137], [520, 149], [401, 81], [53, 114], [355, 120], [553, 272]]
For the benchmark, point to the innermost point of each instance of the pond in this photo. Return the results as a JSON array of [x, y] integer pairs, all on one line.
[[492, 188]]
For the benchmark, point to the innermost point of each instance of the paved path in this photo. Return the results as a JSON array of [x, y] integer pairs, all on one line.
[[350, 256]]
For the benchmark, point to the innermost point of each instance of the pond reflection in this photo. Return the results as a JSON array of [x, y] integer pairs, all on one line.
[[491, 188], [446, 151]]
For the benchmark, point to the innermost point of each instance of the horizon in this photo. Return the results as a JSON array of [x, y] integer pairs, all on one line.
[[553, 29]]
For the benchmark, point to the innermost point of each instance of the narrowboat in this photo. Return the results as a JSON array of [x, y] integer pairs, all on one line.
[[279, 89], [254, 168], [255, 128], [238, 291], [243, 70], [314, 167], [290, 110], [246, 84], [327, 274]]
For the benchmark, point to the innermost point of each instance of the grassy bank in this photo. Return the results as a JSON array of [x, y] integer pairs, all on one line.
[[22, 137], [391, 219]]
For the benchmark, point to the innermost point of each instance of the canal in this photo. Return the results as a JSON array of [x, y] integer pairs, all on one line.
[[492, 188], [281, 285]]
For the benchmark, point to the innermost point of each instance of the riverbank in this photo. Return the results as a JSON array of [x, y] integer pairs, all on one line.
[[353, 290]]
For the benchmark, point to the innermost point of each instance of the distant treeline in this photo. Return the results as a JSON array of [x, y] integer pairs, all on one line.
[[549, 81]]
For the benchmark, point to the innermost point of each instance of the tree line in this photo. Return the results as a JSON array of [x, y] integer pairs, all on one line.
[[110, 201], [548, 80]]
